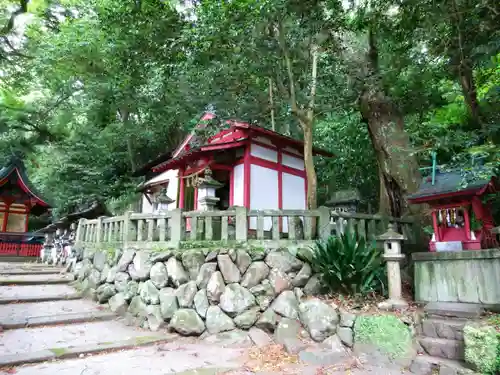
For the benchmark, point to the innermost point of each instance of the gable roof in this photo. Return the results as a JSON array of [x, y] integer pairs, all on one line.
[[192, 138], [17, 169], [449, 183], [191, 149]]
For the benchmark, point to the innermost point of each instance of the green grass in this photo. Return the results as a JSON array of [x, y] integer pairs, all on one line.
[[145, 339], [482, 346], [386, 332], [59, 351]]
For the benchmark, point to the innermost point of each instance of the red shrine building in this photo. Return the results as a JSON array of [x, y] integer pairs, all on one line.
[[18, 199], [461, 215], [253, 166]]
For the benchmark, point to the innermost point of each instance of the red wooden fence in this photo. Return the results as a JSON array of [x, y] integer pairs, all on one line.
[[20, 249]]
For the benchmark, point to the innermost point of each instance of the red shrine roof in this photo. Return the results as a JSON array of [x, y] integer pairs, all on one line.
[[14, 175], [452, 184], [236, 136]]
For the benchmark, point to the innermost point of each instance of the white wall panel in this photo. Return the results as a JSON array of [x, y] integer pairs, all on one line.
[[147, 208], [173, 184], [293, 151], [263, 192], [292, 162], [238, 185], [294, 195], [264, 153]]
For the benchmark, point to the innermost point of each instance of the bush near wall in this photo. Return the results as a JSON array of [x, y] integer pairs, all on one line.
[[482, 346]]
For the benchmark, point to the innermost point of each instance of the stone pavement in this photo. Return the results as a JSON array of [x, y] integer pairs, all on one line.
[[46, 329]]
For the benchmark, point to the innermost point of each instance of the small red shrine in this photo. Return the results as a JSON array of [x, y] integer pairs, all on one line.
[[461, 214], [248, 166], [18, 199]]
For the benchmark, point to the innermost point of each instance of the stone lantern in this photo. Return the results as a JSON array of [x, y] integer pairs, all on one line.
[[206, 191], [346, 201], [163, 200], [393, 257]]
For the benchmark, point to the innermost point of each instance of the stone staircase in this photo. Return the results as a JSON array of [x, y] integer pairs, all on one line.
[[441, 337]]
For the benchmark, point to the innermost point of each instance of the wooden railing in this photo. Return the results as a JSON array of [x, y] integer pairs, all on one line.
[[273, 228]]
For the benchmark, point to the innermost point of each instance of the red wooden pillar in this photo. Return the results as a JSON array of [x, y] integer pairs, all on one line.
[[435, 226], [180, 204], [246, 178], [467, 224]]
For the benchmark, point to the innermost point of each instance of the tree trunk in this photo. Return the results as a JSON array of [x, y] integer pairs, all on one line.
[[466, 79], [398, 167], [312, 181], [125, 116]]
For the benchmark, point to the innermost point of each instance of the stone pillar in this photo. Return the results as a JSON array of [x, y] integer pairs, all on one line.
[[393, 257]]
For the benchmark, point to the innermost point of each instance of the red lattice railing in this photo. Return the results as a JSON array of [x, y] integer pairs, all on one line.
[[20, 249]]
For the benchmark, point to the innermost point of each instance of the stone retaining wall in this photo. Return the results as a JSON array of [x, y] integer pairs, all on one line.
[[463, 276], [197, 291]]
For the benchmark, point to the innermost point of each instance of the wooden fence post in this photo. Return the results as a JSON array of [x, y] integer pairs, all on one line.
[[324, 228], [98, 236], [177, 227], [80, 231], [127, 229], [241, 223]]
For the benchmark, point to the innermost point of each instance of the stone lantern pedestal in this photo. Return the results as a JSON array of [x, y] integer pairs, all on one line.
[[393, 257], [206, 192]]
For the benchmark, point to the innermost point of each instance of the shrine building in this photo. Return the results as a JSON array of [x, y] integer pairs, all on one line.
[[18, 199], [460, 210], [240, 165]]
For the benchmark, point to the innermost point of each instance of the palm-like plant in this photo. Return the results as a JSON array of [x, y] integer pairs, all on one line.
[[349, 265]]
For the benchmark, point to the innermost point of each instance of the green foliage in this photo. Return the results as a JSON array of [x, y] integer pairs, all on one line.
[[349, 265], [482, 348], [385, 332], [89, 95]]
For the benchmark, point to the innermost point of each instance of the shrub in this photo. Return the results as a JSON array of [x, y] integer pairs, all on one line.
[[481, 348], [349, 265], [386, 332]]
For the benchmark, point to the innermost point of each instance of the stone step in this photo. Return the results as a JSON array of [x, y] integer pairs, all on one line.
[[444, 348], [56, 319], [18, 272], [36, 279], [451, 329], [62, 337], [427, 365], [453, 309], [48, 298], [24, 312], [59, 353], [35, 293]]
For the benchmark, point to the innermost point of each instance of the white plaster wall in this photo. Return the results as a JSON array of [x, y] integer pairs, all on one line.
[[263, 192], [294, 195], [292, 150], [264, 153], [238, 185], [173, 183], [292, 162], [264, 140], [147, 208]]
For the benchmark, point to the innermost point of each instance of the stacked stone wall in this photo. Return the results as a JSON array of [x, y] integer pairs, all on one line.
[[211, 291]]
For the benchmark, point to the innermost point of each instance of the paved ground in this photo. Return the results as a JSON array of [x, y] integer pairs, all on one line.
[[100, 347]]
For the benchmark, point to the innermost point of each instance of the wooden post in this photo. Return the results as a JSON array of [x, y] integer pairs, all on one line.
[[80, 230], [127, 229], [177, 228], [324, 228], [99, 230], [241, 223]]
